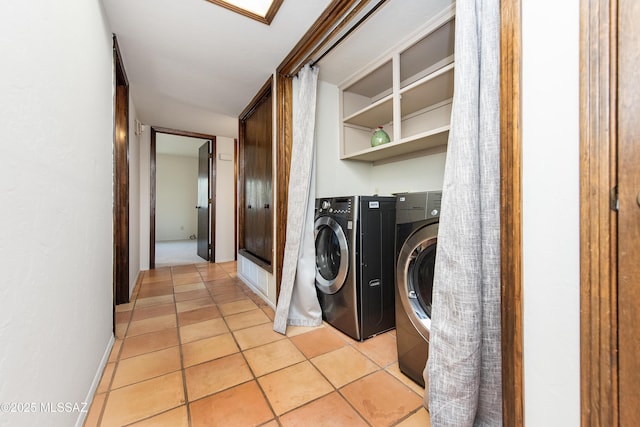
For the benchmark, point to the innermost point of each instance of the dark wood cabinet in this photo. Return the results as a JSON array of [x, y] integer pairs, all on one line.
[[256, 180]]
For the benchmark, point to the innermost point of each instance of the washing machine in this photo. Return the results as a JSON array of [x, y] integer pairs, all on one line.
[[417, 217], [354, 238]]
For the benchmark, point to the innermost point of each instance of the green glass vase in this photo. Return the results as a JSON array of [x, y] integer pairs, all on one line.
[[379, 137]]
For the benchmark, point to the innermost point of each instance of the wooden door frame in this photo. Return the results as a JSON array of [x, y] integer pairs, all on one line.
[[121, 180], [598, 222], [152, 189], [265, 91], [510, 190]]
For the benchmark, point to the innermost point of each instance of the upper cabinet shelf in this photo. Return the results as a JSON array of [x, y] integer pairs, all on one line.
[[408, 92]]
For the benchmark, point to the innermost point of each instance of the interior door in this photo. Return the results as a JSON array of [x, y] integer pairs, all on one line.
[[628, 212], [204, 200]]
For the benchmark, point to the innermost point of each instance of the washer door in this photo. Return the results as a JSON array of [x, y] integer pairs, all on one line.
[[414, 279], [332, 253]]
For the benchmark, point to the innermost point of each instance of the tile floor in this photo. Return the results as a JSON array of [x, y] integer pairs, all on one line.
[[195, 347]]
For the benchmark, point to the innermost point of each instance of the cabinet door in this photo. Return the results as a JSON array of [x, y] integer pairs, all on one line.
[[257, 180]]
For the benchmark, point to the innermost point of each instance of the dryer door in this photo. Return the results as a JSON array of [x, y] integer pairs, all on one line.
[[332, 253], [416, 262]]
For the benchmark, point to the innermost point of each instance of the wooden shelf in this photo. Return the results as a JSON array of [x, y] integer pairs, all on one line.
[[415, 143], [376, 114]]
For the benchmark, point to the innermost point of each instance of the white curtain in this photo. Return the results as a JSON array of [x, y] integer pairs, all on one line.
[[464, 366], [298, 303]]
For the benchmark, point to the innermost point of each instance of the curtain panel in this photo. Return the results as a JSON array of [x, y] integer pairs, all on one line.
[[298, 303], [463, 371]]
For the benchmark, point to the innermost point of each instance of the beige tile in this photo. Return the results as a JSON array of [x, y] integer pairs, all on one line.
[[394, 370], [147, 343], [217, 375], [121, 330], [115, 350], [227, 298], [146, 302], [243, 405], [146, 366], [180, 270], [246, 319], [198, 315], [273, 356], [330, 410], [186, 279], [193, 304], [141, 313], [221, 285], [95, 410], [418, 419], [381, 409], [157, 275], [200, 330], [317, 342], [208, 349], [105, 380], [191, 295], [152, 324], [293, 331], [382, 349], [344, 365], [154, 290], [125, 307], [269, 312], [122, 316], [141, 400], [174, 418], [237, 307], [190, 287], [257, 335], [294, 386]]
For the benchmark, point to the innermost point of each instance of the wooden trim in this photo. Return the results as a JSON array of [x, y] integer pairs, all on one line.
[[121, 181], [511, 213], [598, 225], [265, 91], [152, 188], [266, 19], [284, 138], [236, 150], [332, 15], [212, 194], [152, 200]]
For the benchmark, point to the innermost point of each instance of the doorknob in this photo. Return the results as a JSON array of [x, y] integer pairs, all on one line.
[[266, 205]]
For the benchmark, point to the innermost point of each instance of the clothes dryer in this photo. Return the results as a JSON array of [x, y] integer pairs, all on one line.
[[417, 216], [354, 239]]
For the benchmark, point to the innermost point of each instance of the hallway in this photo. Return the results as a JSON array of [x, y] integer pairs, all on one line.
[[195, 347]]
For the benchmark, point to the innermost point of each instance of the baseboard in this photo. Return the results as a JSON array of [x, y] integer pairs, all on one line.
[[96, 381]]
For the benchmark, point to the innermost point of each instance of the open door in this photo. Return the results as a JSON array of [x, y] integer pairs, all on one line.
[[204, 200]]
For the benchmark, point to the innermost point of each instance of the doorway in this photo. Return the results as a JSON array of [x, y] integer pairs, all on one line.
[[182, 223]]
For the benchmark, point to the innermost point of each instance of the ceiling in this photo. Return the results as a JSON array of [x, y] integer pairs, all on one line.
[[191, 61], [194, 66]]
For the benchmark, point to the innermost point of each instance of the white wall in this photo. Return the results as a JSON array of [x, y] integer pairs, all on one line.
[[551, 294], [225, 249], [145, 197], [176, 197], [56, 181]]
